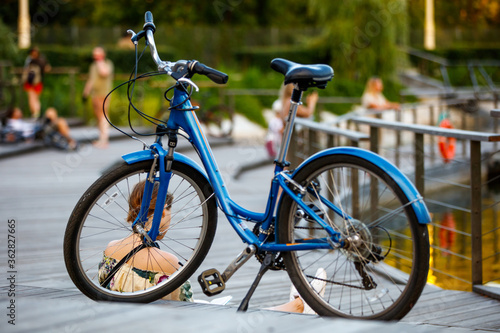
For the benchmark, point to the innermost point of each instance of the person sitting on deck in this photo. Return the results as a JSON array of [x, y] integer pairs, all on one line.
[[151, 265], [373, 98], [17, 129]]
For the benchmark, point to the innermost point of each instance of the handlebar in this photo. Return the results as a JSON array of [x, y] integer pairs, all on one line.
[[148, 19], [180, 68], [213, 74]]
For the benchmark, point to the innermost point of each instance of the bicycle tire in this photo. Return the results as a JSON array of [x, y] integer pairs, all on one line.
[[383, 274], [99, 217]]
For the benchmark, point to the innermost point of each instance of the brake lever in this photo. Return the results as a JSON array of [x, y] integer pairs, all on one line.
[[136, 36], [191, 83]]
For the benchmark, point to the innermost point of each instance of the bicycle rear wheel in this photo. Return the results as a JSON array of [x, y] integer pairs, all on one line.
[[383, 271], [99, 220]]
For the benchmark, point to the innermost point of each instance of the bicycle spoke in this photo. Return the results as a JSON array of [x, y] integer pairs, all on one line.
[[105, 236], [367, 278]]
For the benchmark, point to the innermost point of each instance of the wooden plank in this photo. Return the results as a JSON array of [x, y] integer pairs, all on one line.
[[57, 316], [53, 303], [486, 290], [457, 310], [484, 319]]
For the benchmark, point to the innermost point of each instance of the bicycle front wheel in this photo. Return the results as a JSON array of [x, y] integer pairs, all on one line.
[[382, 272], [99, 220]]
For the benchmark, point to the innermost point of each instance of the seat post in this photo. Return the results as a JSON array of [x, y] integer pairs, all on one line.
[[287, 134]]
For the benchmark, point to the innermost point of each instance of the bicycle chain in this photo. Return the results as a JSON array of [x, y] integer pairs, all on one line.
[[279, 264], [310, 228], [337, 283]]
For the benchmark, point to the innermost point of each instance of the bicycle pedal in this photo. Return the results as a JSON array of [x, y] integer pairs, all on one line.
[[211, 282]]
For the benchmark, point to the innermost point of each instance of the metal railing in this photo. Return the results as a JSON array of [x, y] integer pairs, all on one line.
[[310, 137], [431, 175]]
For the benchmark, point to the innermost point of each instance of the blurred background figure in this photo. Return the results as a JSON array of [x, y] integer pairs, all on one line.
[[16, 128], [51, 129], [59, 125], [98, 85], [303, 111], [35, 67], [281, 108], [373, 98]]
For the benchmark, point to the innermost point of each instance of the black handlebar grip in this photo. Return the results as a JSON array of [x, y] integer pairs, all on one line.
[[212, 74], [148, 18]]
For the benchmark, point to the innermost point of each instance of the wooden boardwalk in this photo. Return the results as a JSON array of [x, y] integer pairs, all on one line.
[[39, 190]]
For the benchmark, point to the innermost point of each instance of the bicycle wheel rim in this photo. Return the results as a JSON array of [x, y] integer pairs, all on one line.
[[384, 220], [185, 238]]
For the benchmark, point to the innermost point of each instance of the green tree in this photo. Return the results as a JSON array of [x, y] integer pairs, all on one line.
[[9, 50], [469, 16], [468, 13], [361, 37]]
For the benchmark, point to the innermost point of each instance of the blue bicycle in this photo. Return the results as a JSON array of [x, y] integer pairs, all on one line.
[[345, 212]]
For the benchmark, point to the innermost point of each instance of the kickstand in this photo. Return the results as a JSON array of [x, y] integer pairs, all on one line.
[[268, 259]]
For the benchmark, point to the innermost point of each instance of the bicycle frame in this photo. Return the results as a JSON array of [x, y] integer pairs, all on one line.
[[236, 214]]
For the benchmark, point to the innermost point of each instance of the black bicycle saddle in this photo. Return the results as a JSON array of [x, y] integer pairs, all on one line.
[[306, 76]]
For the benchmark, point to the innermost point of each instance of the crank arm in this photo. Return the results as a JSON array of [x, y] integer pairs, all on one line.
[[213, 283], [241, 259]]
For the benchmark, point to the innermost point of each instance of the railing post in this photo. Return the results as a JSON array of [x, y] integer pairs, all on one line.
[[311, 141], [398, 139], [355, 187], [495, 120], [374, 139], [464, 120], [374, 142], [419, 162], [432, 138], [476, 218], [330, 141]]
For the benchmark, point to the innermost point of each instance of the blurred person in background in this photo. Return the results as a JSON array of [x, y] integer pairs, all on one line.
[[35, 67], [98, 85]]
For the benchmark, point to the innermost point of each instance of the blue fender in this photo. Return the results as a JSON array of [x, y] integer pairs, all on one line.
[[144, 155], [406, 185]]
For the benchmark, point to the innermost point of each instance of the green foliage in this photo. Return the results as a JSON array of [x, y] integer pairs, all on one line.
[[8, 51], [148, 95], [458, 24], [472, 14], [360, 37], [110, 13], [261, 56], [252, 108], [67, 56], [255, 78]]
